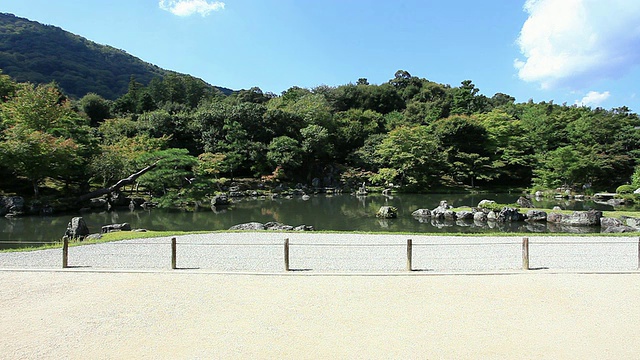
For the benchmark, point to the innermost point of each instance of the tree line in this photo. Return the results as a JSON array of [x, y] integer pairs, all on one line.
[[409, 132]]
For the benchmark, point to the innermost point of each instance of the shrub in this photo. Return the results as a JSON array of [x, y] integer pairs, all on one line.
[[498, 207], [625, 189]]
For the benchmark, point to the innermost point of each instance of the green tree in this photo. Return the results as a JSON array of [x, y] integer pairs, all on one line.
[[409, 156], [37, 155], [509, 147], [96, 108], [285, 152], [8, 87], [41, 108], [316, 143], [635, 178], [353, 127], [563, 166], [464, 98], [174, 168], [463, 140]]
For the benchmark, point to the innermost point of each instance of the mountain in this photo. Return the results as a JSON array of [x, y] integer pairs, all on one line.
[[37, 53]]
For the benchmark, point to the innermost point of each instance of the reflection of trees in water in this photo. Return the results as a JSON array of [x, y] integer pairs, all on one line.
[[340, 213]]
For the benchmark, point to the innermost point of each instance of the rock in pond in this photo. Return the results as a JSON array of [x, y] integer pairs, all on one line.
[[536, 216], [618, 229], [485, 203], [220, 200], [11, 205], [606, 222], [524, 202], [248, 226], [421, 213], [480, 216], [578, 218], [77, 229], [464, 215], [508, 214], [276, 226], [387, 212], [632, 222], [116, 227], [304, 228]]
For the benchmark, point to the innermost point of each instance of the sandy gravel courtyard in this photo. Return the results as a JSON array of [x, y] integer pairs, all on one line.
[[187, 314]]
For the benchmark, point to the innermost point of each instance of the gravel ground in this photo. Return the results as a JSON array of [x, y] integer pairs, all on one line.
[[310, 252], [194, 315]]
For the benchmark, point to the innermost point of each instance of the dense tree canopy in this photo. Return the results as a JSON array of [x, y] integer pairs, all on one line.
[[409, 131]]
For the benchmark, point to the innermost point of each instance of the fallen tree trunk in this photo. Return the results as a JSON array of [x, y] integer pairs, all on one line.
[[122, 182]]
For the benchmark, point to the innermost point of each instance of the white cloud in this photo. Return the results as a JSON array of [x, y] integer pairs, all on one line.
[[593, 99], [190, 7], [574, 42]]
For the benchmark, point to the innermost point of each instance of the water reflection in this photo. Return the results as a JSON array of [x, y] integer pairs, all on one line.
[[338, 212]]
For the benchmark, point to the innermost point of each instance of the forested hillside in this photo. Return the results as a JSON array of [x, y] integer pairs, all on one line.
[[413, 133], [30, 51]]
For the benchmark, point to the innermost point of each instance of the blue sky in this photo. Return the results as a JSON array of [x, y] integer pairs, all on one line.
[[569, 51]]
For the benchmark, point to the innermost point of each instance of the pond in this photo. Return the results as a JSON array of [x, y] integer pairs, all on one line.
[[323, 212]]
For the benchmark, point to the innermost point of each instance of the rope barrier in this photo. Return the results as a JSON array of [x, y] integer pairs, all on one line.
[[125, 242], [30, 242]]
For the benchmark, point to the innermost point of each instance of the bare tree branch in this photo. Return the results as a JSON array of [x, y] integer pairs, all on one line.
[[122, 182]]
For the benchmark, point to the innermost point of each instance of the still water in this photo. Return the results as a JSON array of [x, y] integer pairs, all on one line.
[[338, 213]]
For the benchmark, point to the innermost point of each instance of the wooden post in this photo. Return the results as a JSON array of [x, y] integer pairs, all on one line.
[[525, 253], [286, 254], [173, 253], [65, 253], [409, 255]]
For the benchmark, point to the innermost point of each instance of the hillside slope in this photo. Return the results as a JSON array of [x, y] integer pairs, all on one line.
[[33, 52]]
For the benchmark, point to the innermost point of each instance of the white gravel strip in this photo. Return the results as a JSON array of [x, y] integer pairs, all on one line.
[[315, 252]]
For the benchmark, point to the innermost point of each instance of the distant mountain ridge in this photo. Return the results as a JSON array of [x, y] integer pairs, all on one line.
[[37, 53]]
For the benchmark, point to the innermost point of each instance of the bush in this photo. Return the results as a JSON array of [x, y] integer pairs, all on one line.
[[625, 189], [498, 207]]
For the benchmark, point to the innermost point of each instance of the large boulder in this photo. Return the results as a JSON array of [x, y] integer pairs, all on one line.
[[464, 215], [98, 203], [276, 226], [536, 216], [117, 198], [632, 222], [77, 229], [248, 226], [523, 202], [387, 212], [578, 218], [443, 211], [618, 229], [116, 227], [480, 216], [11, 205], [220, 200], [508, 214], [616, 202], [606, 222], [304, 228], [486, 203], [421, 213]]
